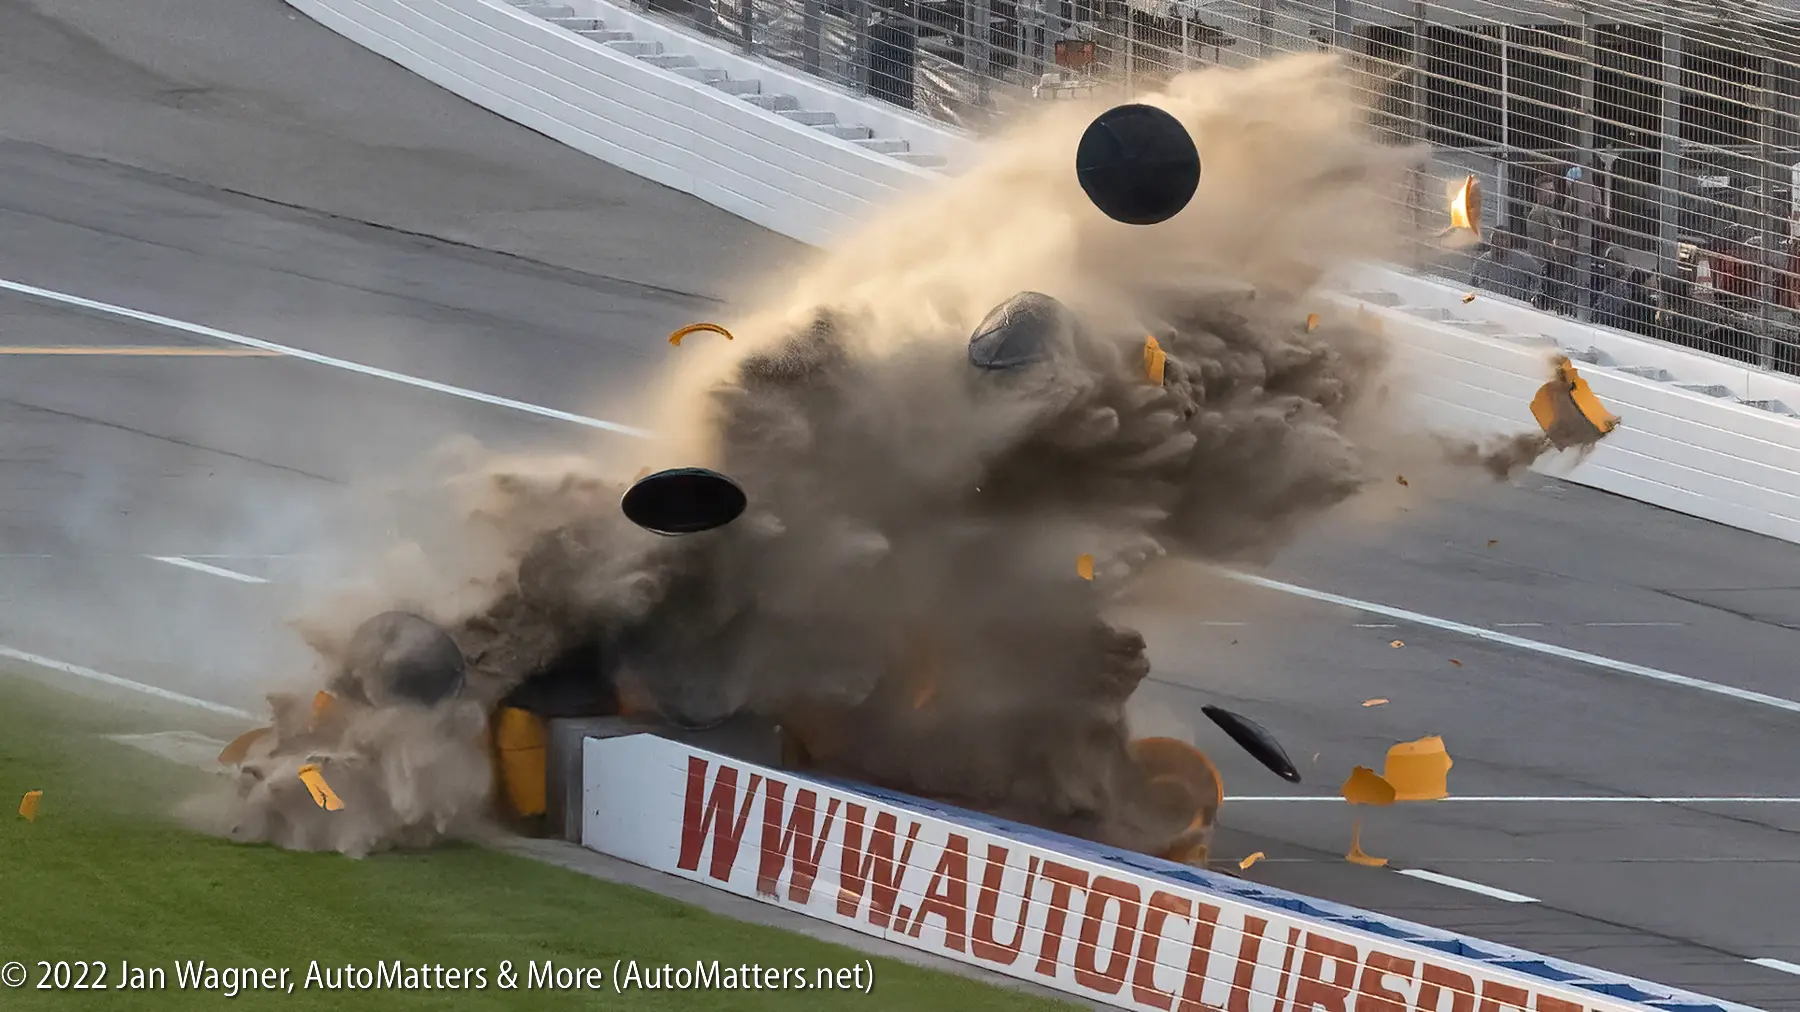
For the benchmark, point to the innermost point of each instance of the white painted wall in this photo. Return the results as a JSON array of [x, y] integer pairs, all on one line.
[[1678, 449], [804, 845], [752, 162]]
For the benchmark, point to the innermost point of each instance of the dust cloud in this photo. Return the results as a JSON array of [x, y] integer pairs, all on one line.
[[903, 591]]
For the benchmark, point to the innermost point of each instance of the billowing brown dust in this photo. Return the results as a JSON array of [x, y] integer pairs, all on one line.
[[903, 590]]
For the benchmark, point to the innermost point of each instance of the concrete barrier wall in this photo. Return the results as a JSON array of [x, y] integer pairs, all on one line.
[[1098, 923], [750, 161]]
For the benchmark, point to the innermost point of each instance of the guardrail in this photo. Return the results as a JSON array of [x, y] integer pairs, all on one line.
[[1098, 923]]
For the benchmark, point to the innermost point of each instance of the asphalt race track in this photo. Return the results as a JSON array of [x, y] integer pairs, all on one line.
[[231, 165]]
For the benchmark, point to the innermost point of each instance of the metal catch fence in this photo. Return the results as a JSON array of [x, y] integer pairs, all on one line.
[[1641, 160]]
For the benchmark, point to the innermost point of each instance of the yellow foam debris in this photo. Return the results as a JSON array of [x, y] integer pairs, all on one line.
[[235, 752], [1419, 770], [1084, 566], [1375, 702], [1365, 787], [1252, 859], [522, 741], [28, 806], [1465, 207], [1567, 410], [322, 794], [696, 328], [1356, 855], [1312, 322], [1155, 361]]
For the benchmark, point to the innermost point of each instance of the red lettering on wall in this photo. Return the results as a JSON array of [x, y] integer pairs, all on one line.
[[1287, 966], [947, 895], [1317, 989], [1143, 978], [1372, 994], [1206, 925], [798, 839], [1436, 981], [1249, 950], [859, 867], [1063, 880], [1546, 1003], [703, 812], [982, 943], [1502, 997], [1103, 893]]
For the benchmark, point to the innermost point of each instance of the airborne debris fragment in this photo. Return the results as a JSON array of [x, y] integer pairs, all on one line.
[[1356, 855], [1567, 410], [1155, 359], [1419, 770], [1137, 164], [1401, 480], [322, 794], [1397, 644], [1256, 740], [235, 752], [1084, 566], [683, 500], [1366, 787], [1468, 297], [1312, 322], [696, 328], [1375, 702], [1455, 662], [1252, 859], [1465, 212], [1493, 541], [28, 806]]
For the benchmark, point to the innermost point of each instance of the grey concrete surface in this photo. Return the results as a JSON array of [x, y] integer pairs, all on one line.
[[246, 96], [228, 164]]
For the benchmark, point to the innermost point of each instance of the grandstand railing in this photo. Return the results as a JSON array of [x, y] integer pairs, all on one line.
[[1682, 118]]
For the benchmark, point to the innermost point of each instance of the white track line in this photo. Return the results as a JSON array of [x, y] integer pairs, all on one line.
[[1543, 799], [314, 357], [1466, 885], [121, 683], [203, 567], [1579, 656], [1778, 964]]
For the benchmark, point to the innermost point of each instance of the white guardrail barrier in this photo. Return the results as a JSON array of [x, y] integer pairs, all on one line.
[[1701, 435], [1099, 923], [1106, 925]]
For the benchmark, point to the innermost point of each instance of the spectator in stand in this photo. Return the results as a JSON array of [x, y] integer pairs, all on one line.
[[1507, 269], [1623, 298], [1552, 241]]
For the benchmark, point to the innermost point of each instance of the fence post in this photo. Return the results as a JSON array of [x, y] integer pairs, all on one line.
[[1668, 180], [812, 32], [861, 54], [1768, 288], [747, 15], [1584, 248], [980, 38]]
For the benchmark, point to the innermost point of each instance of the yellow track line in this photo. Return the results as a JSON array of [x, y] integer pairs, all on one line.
[[177, 351]]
